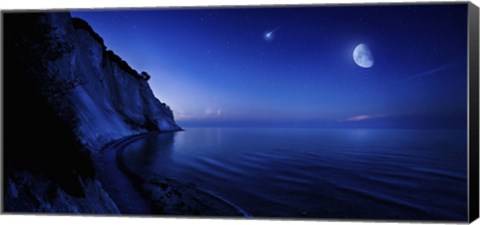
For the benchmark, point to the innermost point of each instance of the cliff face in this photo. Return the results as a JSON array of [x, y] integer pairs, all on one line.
[[112, 99], [67, 96]]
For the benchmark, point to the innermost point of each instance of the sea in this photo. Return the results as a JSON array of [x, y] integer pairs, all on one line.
[[339, 173]]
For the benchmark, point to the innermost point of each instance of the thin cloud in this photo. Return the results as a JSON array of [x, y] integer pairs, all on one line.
[[181, 115], [362, 117], [209, 112], [430, 72], [213, 111]]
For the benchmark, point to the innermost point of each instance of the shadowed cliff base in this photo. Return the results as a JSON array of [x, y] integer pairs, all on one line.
[[71, 96]]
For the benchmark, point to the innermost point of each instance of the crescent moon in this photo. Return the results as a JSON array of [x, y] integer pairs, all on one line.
[[362, 56]]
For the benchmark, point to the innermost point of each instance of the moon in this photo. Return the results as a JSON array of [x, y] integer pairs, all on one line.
[[362, 56]]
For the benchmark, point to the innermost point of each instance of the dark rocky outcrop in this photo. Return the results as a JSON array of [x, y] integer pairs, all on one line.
[[65, 97]]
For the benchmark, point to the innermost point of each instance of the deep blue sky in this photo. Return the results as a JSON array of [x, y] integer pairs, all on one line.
[[215, 66]]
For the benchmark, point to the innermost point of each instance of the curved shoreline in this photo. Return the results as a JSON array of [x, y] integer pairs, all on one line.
[[168, 196], [118, 185], [135, 195]]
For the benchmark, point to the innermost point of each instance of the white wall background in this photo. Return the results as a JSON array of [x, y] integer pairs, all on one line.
[[82, 220]]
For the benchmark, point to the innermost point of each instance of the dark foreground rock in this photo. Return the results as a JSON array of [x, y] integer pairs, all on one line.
[[65, 97]]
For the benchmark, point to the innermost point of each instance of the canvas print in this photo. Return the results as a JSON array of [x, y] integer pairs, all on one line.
[[314, 112]]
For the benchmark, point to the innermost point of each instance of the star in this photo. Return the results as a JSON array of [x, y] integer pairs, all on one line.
[[269, 34]]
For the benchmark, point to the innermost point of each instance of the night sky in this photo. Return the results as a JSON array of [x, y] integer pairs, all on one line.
[[295, 66]]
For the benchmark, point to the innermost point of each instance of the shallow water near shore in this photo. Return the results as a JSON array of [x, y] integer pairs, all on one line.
[[316, 173]]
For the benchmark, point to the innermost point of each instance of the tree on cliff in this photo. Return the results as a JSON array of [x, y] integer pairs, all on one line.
[[145, 75]]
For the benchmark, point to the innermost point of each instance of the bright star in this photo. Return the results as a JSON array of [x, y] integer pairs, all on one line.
[[269, 35]]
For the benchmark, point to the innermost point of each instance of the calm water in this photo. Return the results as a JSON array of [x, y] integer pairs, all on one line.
[[322, 173]]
